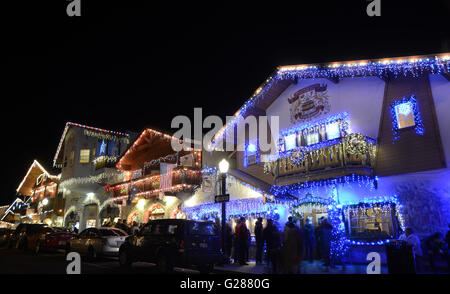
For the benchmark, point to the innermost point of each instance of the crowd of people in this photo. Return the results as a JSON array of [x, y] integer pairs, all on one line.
[[284, 250], [130, 229]]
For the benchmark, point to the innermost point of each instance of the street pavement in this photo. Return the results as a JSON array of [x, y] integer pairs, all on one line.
[[13, 261]]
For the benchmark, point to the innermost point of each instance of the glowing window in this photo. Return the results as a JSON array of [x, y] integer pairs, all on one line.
[[333, 131], [312, 138], [405, 115], [290, 142], [251, 148], [84, 155]]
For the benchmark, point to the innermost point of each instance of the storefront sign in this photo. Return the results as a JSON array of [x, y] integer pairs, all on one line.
[[222, 198]]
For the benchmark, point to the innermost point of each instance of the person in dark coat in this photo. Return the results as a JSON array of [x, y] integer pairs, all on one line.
[[325, 237], [292, 247], [310, 240], [436, 248], [272, 239], [259, 237], [242, 240], [228, 240]]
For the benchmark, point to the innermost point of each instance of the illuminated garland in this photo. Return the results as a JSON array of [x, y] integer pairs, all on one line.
[[293, 189], [234, 208], [304, 126], [419, 128], [105, 136], [380, 68], [88, 180], [153, 162], [105, 158]]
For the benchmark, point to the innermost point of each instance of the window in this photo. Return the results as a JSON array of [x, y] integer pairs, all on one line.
[[333, 131], [84, 155], [371, 222], [203, 229], [405, 115], [312, 138], [291, 142], [251, 154]]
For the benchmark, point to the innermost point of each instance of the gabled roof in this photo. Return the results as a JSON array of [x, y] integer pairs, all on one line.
[[151, 144], [71, 124], [18, 200], [35, 170], [383, 68]]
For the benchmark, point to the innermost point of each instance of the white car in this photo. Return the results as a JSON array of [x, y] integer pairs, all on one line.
[[95, 242]]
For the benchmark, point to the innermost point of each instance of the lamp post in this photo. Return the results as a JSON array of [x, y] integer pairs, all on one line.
[[223, 168]]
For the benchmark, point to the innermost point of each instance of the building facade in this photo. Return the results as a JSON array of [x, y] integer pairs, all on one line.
[[39, 190], [364, 144], [87, 158], [156, 179]]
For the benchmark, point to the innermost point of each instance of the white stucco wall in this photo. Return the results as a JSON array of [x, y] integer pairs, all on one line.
[[362, 98], [440, 88]]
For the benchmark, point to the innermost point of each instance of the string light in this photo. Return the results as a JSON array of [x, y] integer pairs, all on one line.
[[381, 68], [66, 129]]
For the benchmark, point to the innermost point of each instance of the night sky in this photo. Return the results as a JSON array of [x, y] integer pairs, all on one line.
[[123, 67]]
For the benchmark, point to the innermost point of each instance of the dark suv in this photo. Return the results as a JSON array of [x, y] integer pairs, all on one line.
[[174, 242]]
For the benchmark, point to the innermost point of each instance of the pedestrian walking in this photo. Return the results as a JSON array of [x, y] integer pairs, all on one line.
[[310, 240], [292, 249], [259, 238], [272, 239]]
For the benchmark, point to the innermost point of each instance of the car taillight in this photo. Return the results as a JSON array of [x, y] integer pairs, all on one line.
[[181, 244]]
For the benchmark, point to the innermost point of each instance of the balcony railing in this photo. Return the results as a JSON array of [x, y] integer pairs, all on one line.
[[353, 153], [182, 179]]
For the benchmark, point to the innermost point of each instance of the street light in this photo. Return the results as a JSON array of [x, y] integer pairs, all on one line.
[[223, 168], [45, 201]]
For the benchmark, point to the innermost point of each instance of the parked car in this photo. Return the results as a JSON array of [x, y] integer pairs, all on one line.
[[52, 239], [4, 236], [25, 235], [95, 242], [174, 242]]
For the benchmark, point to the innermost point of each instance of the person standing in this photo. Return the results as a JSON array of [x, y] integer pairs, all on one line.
[[228, 240], [242, 239], [292, 247], [273, 242], [414, 241], [310, 240], [325, 236], [259, 238]]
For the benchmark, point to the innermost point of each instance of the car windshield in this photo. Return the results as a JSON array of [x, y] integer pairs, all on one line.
[[108, 232], [119, 232], [205, 229]]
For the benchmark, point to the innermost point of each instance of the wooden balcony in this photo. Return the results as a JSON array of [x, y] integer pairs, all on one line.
[[183, 179], [353, 154]]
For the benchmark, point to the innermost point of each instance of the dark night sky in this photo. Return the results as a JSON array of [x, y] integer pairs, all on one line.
[[124, 67]]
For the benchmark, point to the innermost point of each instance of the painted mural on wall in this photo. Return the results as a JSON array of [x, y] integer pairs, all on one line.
[[425, 206], [308, 103]]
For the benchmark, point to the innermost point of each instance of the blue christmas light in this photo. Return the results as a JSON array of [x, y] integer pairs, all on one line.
[[293, 189]]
